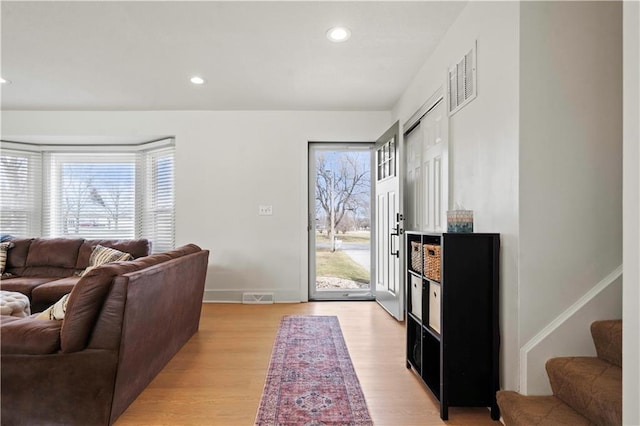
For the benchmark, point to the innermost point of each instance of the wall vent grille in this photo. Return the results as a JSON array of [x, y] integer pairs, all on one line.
[[257, 298], [462, 82]]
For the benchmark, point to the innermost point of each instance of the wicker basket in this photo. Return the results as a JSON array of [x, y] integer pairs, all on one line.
[[416, 256], [432, 261]]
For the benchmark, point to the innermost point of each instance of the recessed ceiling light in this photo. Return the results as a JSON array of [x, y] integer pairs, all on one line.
[[197, 80], [3, 81], [338, 34]]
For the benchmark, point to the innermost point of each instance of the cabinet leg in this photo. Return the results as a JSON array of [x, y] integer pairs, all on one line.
[[444, 412], [495, 411]]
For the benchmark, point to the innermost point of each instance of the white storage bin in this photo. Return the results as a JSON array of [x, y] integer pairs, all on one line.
[[434, 306], [416, 296]]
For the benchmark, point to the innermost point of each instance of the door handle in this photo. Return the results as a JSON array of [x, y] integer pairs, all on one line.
[[392, 252], [397, 231]]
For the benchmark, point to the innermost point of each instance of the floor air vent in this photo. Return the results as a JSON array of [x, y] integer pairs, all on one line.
[[257, 298]]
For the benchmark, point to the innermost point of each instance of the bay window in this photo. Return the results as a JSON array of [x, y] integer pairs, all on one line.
[[93, 192]]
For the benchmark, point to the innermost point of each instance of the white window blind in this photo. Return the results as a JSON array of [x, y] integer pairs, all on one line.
[[91, 195], [20, 195], [158, 220], [105, 192]]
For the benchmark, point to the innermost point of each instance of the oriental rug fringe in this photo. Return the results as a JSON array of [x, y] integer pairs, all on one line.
[[311, 380]]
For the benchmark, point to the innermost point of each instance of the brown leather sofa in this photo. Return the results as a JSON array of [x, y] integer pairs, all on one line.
[[124, 321], [45, 269]]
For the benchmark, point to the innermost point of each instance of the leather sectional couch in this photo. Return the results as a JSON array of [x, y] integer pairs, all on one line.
[[45, 269], [124, 321]]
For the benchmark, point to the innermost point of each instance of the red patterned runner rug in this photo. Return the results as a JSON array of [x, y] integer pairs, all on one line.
[[311, 380]]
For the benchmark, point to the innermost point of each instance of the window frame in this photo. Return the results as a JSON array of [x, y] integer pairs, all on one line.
[[144, 156]]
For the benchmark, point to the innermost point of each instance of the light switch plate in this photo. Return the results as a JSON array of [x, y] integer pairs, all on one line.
[[265, 210]]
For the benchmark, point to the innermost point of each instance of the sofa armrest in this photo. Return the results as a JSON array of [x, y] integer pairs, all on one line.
[[30, 336], [58, 389]]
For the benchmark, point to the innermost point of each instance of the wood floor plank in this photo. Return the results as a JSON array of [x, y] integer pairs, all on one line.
[[218, 376]]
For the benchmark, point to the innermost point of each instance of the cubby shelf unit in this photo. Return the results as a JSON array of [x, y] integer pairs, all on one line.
[[453, 336]]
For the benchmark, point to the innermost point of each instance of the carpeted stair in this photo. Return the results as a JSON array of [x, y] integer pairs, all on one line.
[[586, 390]]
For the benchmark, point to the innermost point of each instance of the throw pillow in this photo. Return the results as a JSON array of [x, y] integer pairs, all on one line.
[[4, 247], [101, 255], [55, 311]]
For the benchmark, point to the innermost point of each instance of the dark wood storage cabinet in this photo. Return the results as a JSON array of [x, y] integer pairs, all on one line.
[[453, 337]]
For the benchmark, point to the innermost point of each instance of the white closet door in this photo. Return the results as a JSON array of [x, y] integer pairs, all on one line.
[[413, 179], [426, 181], [435, 170]]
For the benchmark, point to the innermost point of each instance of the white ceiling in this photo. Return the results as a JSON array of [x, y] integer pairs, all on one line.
[[263, 55]]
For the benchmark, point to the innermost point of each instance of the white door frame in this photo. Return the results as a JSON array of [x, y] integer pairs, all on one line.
[[347, 294]]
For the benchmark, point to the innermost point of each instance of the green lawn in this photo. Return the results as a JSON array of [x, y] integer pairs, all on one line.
[[349, 237], [338, 264]]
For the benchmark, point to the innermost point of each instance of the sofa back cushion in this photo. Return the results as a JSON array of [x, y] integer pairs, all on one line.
[[44, 257], [87, 298], [136, 248], [54, 252], [108, 328], [63, 257], [84, 304]]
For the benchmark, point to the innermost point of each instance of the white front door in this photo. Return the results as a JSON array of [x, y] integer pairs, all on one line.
[[388, 247]]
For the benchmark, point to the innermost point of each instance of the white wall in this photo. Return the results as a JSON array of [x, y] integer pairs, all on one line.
[[570, 159], [570, 336], [537, 156], [631, 220], [227, 164], [484, 142]]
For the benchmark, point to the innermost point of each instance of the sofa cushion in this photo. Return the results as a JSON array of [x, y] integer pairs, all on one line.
[[30, 336], [56, 311], [54, 252], [48, 293], [101, 255], [136, 248], [24, 285]]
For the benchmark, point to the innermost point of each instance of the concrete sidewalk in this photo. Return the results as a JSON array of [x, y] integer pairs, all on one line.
[[361, 257]]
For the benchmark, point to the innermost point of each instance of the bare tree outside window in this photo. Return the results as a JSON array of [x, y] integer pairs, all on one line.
[[96, 196], [342, 191], [75, 196], [342, 211]]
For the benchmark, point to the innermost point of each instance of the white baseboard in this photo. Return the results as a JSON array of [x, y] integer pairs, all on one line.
[[235, 296]]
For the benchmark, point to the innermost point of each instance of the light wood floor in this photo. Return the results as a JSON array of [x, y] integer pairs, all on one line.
[[218, 376]]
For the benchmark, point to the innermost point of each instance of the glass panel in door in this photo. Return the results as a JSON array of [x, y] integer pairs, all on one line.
[[340, 233]]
